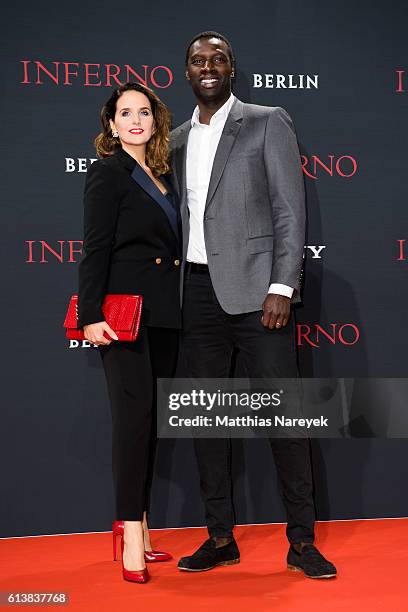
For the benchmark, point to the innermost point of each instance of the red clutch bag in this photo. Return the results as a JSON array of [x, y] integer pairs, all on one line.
[[122, 313]]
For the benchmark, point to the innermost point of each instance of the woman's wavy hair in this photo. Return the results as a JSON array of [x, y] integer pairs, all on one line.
[[157, 148]]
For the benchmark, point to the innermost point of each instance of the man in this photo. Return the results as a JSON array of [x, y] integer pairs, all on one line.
[[242, 206]]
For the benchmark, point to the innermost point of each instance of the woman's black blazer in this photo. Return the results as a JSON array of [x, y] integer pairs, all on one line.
[[132, 242]]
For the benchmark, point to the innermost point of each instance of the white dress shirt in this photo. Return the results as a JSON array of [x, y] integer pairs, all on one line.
[[201, 149]]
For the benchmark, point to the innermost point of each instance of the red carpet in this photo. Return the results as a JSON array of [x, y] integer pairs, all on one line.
[[371, 558]]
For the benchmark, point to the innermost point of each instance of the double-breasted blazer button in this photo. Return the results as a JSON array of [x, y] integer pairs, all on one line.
[[176, 262], [158, 260]]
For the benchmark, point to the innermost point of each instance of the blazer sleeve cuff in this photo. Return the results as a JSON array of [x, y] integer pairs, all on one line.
[[89, 315]]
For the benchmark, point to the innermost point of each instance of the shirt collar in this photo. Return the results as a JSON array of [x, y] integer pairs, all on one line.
[[220, 116]]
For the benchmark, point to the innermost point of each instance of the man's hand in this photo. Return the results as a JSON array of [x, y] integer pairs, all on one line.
[[95, 333], [276, 311]]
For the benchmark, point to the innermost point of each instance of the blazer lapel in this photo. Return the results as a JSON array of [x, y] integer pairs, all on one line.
[[145, 182], [227, 140], [181, 161]]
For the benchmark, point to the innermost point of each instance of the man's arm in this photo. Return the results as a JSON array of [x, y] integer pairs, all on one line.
[[286, 192]]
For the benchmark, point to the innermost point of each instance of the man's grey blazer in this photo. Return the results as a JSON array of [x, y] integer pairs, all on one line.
[[254, 220]]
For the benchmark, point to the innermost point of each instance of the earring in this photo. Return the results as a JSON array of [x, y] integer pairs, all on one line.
[[115, 134]]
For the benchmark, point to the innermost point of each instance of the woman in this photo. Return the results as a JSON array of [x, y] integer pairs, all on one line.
[[132, 246]]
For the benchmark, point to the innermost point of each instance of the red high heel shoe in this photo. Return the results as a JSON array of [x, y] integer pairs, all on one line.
[[151, 556], [139, 576]]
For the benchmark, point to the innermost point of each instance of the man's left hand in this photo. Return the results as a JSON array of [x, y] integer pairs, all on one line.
[[276, 311]]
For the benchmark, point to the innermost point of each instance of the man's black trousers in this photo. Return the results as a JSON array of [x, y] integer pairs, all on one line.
[[209, 338]]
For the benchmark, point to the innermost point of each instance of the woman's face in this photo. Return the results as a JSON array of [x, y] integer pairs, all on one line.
[[133, 118]]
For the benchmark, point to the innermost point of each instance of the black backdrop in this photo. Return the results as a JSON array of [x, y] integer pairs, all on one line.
[[350, 115]]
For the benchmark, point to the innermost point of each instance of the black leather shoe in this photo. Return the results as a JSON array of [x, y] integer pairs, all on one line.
[[208, 556], [311, 562]]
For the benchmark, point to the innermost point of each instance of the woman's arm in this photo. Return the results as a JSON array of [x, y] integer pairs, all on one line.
[[101, 205]]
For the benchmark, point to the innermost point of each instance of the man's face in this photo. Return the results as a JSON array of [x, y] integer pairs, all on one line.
[[209, 69]]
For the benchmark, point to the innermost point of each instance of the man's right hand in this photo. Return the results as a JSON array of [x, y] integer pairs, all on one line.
[[94, 333]]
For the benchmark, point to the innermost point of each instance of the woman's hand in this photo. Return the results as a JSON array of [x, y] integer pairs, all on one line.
[[94, 333]]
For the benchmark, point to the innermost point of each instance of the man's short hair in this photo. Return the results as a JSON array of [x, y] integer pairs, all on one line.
[[212, 34]]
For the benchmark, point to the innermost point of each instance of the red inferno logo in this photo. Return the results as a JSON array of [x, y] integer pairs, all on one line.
[[401, 250], [315, 335], [68, 251], [400, 81], [344, 166], [93, 75]]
